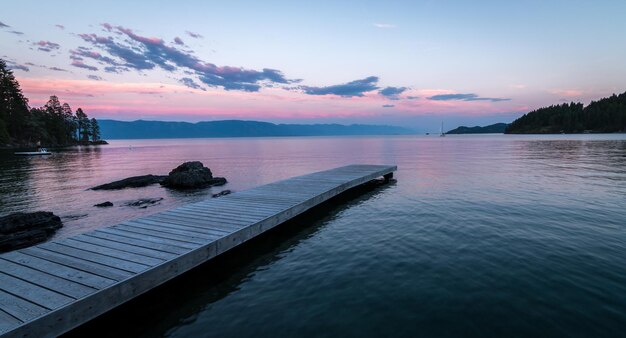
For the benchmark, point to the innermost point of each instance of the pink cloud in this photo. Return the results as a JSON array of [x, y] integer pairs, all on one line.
[[567, 92]]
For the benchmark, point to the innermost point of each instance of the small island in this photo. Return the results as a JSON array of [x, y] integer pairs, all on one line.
[[54, 124], [497, 128], [608, 115]]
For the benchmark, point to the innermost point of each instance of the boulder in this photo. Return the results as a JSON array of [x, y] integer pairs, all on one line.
[[20, 230], [144, 202], [191, 175], [104, 204], [131, 182]]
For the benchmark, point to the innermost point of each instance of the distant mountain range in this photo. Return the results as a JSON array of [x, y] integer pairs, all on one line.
[[497, 128], [112, 129]]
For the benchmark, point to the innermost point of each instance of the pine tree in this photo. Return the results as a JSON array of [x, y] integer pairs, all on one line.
[[95, 130], [13, 105]]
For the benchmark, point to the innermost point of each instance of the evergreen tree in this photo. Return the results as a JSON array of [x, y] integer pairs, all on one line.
[[95, 130], [86, 131], [13, 104], [80, 117]]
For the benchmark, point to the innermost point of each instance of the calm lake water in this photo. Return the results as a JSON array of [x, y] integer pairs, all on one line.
[[484, 235]]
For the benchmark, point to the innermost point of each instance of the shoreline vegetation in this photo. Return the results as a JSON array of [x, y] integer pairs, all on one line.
[[53, 125], [607, 115], [496, 128]]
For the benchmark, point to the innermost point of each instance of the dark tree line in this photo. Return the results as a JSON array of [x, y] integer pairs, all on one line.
[[608, 115], [52, 124]]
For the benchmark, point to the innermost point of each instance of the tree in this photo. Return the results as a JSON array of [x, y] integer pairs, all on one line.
[[86, 131], [13, 104], [95, 130], [80, 117]]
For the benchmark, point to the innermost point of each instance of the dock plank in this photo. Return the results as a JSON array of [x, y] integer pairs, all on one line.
[[48, 281], [78, 276], [19, 308], [33, 293]]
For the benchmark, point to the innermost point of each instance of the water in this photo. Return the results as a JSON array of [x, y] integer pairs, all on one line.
[[483, 235]]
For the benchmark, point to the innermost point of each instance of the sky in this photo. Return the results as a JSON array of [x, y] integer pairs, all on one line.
[[409, 63]]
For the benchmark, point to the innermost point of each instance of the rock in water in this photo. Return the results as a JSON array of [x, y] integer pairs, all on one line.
[[131, 182], [191, 175], [104, 204], [19, 230], [144, 202], [222, 193]]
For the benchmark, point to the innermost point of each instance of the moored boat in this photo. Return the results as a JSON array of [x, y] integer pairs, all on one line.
[[40, 151]]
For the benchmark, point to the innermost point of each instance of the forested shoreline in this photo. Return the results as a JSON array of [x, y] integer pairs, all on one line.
[[54, 124], [607, 115]]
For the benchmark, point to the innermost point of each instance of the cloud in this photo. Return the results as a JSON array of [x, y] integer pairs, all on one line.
[[12, 65], [179, 41], [350, 89], [388, 105], [194, 35], [567, 92], [57, 69], [2, 25], [131, 58], [46, 46], [59, 26], [95, 77], [80, 52], [464, 97], [412, 97], [116, 70], [392, 92], [190, 83], [16, 32], [384, 25], [80, 64], [145, 53], [107, 26]]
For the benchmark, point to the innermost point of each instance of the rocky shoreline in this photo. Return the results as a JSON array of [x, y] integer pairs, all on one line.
[[20, 230]]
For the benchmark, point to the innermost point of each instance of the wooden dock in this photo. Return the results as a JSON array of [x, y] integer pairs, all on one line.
[[51, 288]]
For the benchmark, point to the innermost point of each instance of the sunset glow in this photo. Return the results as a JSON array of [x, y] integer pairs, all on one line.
[[424, 63]]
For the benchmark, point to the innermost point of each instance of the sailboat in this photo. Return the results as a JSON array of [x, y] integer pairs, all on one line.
[[441, 132]]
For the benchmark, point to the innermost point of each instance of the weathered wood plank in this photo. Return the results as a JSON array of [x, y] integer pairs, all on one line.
[[174, 229], [123, 247], [8, 322], [212, 223], [158, 234], [78, 276], [141, 243], [48, 281], [33, 293], [20, 308], [80, 264], [183, 226], [129, 256], [172, 242], [113, 262]]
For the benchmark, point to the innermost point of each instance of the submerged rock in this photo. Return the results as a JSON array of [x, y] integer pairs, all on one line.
[[191, 175], [131, 182], [104, 204], [144, 202], [20, 230], [222, 193]]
